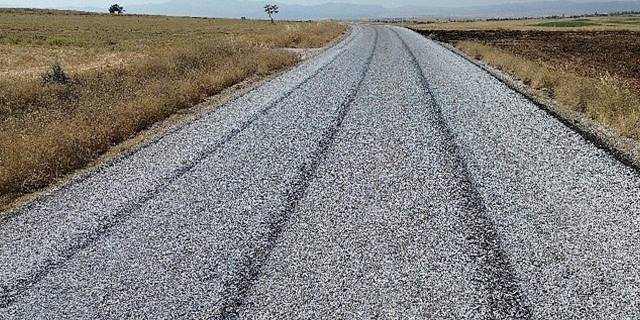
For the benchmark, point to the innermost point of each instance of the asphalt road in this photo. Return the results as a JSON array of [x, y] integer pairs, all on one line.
[[385, 178]]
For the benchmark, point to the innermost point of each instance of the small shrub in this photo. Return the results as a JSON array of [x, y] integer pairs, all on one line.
[[56, 75], [59, 42], [11, 39]]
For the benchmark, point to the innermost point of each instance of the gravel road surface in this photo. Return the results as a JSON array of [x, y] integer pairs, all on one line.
[[384, 178]]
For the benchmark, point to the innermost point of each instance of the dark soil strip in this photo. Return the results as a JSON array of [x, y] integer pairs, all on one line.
[[589, 53]]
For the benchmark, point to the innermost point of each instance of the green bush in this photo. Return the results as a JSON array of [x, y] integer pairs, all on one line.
[[55, 75]]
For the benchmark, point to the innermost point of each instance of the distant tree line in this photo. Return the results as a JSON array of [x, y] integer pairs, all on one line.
[[624, 13]]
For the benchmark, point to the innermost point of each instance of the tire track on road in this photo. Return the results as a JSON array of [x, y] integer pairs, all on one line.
[[8, 294], [504, 296], [237, 289]]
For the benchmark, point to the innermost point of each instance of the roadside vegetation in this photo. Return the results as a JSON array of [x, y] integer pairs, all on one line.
[[593, 72], [72, 84]]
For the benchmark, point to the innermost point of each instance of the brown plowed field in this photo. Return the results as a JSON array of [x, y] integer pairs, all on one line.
[[589, 53]]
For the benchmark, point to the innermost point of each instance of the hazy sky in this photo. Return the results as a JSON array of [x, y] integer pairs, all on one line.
[[386, 3], [74, 3]]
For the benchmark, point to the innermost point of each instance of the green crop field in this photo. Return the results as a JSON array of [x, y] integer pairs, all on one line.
[[567, 24]]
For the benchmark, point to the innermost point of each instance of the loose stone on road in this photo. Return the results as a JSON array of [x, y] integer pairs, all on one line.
[[384, 178]]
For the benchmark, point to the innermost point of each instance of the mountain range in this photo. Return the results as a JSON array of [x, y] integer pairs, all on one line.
[[334, 10], [358, 9]]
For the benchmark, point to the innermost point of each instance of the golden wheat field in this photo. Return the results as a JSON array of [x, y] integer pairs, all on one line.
[[115, 76]]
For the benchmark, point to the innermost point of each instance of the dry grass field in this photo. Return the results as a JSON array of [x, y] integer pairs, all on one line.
[[121, 74], [591, 65]]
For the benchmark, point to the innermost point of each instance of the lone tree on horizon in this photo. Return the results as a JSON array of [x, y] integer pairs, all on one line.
[[116, 8], [271, 9]]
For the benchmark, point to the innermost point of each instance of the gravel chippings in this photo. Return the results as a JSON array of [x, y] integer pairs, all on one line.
[[383, 178], [84, 251], [374, 236], [390, 227], [237, 290], [49, 230], [494, 273], [567, 213]]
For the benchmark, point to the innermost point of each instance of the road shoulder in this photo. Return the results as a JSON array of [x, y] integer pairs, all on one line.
[[624, 149]]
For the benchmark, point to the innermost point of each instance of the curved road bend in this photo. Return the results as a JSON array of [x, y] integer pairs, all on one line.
[[385, 178]]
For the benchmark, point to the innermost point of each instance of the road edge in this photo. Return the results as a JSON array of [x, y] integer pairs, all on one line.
[[159, 129], [623, 149]]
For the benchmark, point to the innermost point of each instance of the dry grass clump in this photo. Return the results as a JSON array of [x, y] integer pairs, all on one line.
[[607, 99], [315, 34], [51, 125]]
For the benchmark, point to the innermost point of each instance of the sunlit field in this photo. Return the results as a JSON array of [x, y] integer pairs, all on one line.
[[72, 85]]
